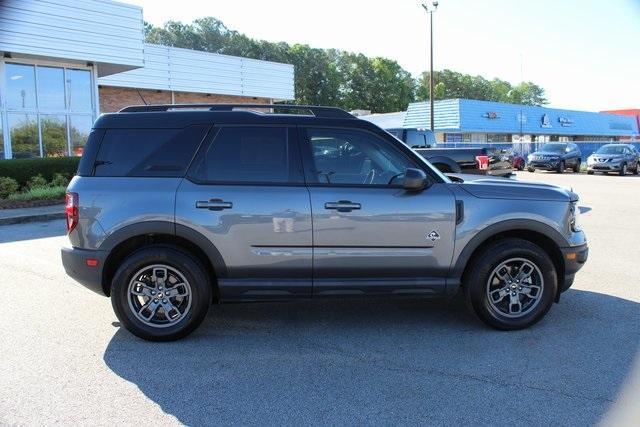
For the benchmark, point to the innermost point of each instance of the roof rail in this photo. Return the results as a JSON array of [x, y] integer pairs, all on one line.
[[324, 112]]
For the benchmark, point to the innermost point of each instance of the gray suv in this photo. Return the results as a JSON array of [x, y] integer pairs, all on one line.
[[175, 207]]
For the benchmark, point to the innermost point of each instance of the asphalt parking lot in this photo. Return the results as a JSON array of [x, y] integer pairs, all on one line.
[[64, 358]]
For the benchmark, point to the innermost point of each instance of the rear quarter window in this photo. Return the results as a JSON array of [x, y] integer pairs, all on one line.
[[148, 152]]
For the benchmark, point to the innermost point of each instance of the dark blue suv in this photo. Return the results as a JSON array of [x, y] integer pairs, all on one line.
[[555, 156]]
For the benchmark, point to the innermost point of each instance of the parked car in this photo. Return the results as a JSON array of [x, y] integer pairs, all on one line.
[[618, 158], [483, 161], [555, 156], [518, 162], [175, 207]]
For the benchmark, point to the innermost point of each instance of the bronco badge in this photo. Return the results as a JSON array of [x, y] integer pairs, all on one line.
[[433, 236]]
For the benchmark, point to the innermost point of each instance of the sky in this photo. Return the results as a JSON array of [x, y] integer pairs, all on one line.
[[584, 53]]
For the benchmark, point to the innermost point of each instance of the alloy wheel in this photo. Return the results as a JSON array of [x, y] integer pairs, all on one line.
[[515, 287], [159, 296]]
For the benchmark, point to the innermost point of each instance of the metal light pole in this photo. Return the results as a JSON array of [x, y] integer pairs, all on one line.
[[430, 10]]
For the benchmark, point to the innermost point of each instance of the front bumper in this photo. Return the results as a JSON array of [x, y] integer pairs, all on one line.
[[544, 164], [74, 261], [603, 167], [574, 258]]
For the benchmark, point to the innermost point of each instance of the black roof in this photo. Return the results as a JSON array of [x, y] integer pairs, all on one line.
[[182, 115]]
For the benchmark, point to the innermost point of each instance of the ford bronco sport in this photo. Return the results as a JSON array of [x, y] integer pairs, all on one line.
[[175, 207]]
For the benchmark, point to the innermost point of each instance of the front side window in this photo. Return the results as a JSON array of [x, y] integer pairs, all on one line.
[[354, 157], [245, 154]]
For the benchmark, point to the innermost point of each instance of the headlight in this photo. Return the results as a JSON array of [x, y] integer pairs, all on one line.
[[590, 160], [530, 157], [575, 217]]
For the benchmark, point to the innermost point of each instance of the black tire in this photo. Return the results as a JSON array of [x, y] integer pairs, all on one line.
[[623, 169], [576, 168], [590, 172], [177, 259], [531, 169], [477, 278], [637, 169], [561, 167]]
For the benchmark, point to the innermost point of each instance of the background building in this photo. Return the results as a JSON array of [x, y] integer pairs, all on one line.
[[62, 63], [521, 127]]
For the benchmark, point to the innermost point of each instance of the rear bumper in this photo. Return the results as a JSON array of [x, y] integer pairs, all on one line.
[[574, 259], [74, 261]]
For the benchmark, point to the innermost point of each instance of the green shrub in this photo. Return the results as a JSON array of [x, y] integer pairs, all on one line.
[[37, 181], [8, 186], [41, 193], [23, 169], [59, 180]]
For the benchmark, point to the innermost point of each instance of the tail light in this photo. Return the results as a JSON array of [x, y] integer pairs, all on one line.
[[483, 162], [71, 209]]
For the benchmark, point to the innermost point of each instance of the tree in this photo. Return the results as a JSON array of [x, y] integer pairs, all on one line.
[[334, 77], [451, 84]]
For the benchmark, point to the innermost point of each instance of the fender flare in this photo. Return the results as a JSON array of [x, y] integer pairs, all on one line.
[[172, 229], [453, 166], [501, 227]]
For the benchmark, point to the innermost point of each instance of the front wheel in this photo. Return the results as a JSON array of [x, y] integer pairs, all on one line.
[[161, 293], [531, 169], [561, 167], [576, 168], [623, 169], [511, 285]]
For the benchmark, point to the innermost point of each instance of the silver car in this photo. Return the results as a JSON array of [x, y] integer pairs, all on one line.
[[617, 158], [176, 207]]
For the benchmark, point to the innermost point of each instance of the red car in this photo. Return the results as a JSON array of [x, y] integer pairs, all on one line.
[[518, 162]]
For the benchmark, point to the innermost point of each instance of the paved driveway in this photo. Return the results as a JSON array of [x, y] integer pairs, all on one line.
[[64, 358]]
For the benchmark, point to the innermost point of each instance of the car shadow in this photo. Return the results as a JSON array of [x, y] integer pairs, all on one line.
[[383, 361]]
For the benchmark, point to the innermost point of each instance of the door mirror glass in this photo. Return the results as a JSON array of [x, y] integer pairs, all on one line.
[[415, 180]]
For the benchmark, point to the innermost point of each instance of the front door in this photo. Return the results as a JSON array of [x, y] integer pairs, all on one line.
[[370, 235], [245, 193]]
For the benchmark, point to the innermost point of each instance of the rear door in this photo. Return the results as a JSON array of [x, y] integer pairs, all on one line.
[[245, 193]]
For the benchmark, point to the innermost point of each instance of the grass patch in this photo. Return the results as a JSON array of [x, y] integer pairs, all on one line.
[[41, 193]]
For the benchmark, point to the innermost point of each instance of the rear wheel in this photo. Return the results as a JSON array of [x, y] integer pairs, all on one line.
[[511, 285], [160, 293], [576, 168]]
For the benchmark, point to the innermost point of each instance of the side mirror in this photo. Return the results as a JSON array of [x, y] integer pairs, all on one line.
[[415, 180]]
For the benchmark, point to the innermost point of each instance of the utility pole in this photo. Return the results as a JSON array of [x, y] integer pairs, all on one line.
[[430, 10]]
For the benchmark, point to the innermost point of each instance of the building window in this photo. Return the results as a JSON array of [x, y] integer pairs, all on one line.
[[21, 87], [49, 110], [498, 137]]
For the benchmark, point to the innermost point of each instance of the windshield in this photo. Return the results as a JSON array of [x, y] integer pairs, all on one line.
[[553, 148], [610, 149]]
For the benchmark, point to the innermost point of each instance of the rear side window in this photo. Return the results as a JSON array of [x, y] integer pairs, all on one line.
[[245, 154], [148, 152]]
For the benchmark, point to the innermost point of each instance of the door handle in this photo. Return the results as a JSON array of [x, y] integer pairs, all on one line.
[[213, 204], [342, 206]]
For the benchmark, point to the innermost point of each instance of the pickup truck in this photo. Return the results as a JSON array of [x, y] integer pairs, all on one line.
[[483, 161]]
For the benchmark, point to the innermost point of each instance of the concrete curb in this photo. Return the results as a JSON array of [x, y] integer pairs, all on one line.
[[31, 218]]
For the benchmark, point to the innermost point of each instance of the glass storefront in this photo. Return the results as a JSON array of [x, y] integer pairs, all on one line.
[[48, 110]]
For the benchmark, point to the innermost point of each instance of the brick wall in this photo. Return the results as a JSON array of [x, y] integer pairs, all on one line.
[[115, 98]]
